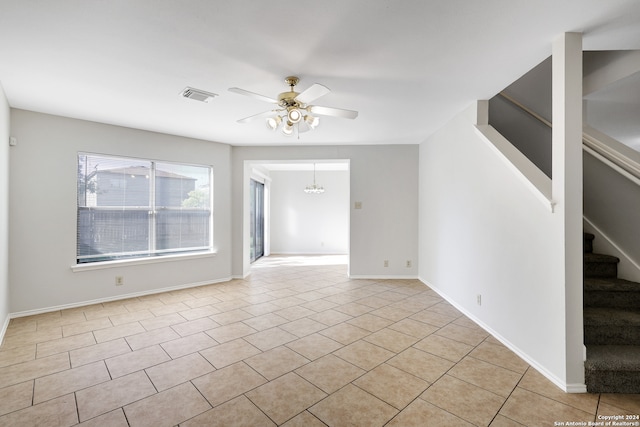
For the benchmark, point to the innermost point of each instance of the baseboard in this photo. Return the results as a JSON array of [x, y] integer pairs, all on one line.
[[5, 325], [306, 254], [114, 298], [568, 388], [381, 277], [576, 388]]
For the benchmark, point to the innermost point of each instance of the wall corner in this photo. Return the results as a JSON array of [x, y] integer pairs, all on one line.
[[481, 113]]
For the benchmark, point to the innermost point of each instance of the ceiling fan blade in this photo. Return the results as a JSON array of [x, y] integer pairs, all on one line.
[[334, 112], [256, 116], [312, 93], [252, 95]]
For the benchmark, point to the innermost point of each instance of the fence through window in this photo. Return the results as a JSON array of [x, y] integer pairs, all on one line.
[[132, 208]]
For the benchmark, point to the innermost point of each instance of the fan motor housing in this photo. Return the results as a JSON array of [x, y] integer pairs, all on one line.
[[287, 99]]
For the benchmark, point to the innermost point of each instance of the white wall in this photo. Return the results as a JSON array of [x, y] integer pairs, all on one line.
[[483, 232], [4, 212], [530, 136], [383, 178], [43, 211], [43, 179], [304, 223], [611, 204]]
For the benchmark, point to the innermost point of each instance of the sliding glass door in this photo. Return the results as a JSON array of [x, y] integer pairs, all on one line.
[[256, 218]]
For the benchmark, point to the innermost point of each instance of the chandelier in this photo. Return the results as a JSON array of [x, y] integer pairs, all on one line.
[[314, 189]]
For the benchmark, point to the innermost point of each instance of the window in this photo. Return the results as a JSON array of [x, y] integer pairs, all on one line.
[[134, 208]]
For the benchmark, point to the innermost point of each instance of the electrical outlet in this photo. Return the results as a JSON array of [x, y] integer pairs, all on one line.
[[408, 263], [119, 280], [386, 263], [479, 299]]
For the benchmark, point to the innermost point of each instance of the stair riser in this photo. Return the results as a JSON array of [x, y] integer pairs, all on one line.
[[611, 326], [588, 246], [612, 381], [608, 299], [600, 269], [611, 335]]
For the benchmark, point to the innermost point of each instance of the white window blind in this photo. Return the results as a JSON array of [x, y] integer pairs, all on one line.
[[133, 208]]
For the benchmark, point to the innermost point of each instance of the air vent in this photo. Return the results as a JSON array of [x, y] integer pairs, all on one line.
[[198, 95]]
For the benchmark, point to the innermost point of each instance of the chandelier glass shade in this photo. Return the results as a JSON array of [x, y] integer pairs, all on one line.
[[314, 188]]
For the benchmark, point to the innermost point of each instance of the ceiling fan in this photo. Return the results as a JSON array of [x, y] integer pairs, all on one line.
[[294, 111]]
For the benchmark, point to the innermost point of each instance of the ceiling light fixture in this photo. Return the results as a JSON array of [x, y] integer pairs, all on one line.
[[293, 120], [312, 121], [294, 115], [274, 122], [287, 129], [314, 189]]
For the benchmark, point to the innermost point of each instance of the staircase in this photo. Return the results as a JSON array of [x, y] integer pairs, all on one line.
[[611, 325]]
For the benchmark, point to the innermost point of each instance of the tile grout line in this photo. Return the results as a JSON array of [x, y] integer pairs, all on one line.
[[508, 397], [75, 399], [447, 371]]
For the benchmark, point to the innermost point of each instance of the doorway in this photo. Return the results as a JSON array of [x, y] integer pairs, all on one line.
[[257, 229], [256, 220]]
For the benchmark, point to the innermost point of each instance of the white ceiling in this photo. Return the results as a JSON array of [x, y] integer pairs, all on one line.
[[407, 66]]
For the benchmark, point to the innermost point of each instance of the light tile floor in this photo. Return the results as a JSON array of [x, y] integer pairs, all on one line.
[[297, 343]]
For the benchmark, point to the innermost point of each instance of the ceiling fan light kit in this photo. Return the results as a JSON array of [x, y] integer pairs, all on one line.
[[287, 129], [274, 122], [294, 115], [294, 112], [312, 121]]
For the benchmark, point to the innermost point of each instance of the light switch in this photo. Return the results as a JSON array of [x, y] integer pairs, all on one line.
[[357, 205]]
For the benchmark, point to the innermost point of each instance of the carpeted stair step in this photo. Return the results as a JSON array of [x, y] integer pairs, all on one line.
[[599, 265], [611, 293], [588, 242], [613, 369], [611, 326]]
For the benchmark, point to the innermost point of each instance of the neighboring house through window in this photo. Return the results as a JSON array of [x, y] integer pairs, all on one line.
[[133, 208]]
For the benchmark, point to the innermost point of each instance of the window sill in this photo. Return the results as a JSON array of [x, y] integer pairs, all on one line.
[[139, 261]]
